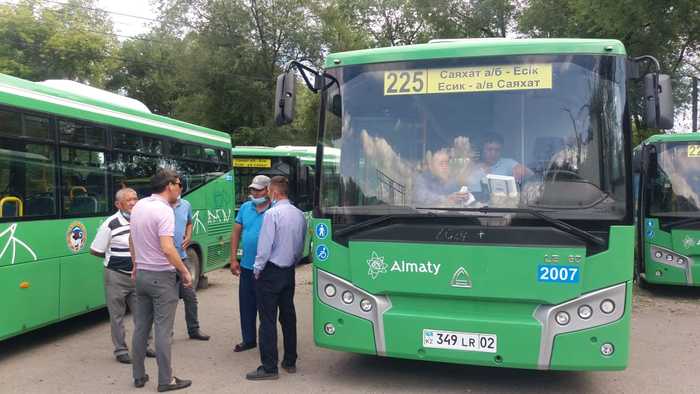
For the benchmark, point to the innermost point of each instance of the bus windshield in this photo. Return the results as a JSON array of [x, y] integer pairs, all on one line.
[[537, 132], [675, 185]]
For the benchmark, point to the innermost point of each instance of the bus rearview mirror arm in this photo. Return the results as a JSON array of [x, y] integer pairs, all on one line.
[[285, 91], [658, 96]]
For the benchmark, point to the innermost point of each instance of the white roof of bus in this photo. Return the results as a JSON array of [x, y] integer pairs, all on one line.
[[94, 93]]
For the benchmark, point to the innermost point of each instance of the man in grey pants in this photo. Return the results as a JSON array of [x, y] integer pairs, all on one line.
[[156, 267], [112, 244]]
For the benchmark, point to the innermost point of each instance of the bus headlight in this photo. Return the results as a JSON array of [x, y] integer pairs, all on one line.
[[562, 318], [607, 306], [607, 349], [366, 305], [329, 290], [585, 311], [348, 298]]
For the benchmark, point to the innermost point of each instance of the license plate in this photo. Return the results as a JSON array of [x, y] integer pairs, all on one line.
[[465, 341]]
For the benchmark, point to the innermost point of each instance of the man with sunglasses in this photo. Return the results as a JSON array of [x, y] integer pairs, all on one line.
[[182, 238], [156, 267]]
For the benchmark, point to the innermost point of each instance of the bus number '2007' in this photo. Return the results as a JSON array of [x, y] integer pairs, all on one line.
[[557, 273]]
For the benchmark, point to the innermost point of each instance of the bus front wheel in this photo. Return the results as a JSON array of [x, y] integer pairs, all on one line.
[[194, 266]]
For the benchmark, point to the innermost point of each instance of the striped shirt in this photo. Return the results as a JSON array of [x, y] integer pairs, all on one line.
[[112, 240]]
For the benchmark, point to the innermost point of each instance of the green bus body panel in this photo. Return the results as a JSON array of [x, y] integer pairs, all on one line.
[[86, 108], [580, 350], [503, 297], [27, 308], [63, 284], [476, 48], [212, 221], [352, 334], [674, 240]]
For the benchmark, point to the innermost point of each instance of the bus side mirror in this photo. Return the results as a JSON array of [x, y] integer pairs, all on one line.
[[284, 98], [659, 101]]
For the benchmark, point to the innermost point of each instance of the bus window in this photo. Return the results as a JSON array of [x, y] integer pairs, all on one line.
[[135, 171], [84, 182], [77, 133], [26, 179]]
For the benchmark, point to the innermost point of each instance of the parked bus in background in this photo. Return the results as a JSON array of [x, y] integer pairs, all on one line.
[[481, 212], [668, 211], [297, 163], [65, 149]]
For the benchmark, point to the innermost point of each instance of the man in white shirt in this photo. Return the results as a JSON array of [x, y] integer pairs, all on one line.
[[112, 244]]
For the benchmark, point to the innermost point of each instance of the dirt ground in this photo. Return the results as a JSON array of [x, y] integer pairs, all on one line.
[[76, 356]]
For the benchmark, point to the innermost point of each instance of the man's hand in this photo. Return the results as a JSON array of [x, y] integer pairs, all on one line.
[[235, 266], [520, 172], [133, 275], [186, 278], [256, 274], [186, 242]]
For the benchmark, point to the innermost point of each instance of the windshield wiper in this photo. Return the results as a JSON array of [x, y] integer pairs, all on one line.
[[556, 223], [669, 225]]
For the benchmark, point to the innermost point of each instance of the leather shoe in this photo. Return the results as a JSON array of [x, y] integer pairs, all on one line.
[[124, 358], [242, 347], [200, 336], [177, 384], [261, 374], [140, 382], [150, 353]]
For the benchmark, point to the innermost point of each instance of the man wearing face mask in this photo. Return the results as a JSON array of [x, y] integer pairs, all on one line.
[[112, 244], [247, 229]]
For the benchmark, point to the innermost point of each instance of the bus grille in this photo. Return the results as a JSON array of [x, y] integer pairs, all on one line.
[[218, 254], [219, 228]]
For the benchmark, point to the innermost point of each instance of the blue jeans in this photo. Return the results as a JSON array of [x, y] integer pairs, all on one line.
[[247, 305]]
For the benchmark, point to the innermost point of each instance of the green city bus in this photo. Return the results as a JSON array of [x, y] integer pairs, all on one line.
[[481, 211], [668, 211], [297, 163], [65, 149]]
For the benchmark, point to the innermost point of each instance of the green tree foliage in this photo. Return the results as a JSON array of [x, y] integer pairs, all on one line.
[[668, 30], [44, 41]]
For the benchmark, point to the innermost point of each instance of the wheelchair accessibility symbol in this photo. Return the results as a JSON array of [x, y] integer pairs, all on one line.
[[322, 252], [321, 231]]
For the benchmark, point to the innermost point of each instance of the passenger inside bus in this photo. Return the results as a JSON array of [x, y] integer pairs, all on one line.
[[436, 186], [491, 162]]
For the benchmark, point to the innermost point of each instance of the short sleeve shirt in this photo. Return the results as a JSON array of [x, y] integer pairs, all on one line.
[[151, 218], [112, 239], [183, 215], [251, 221]]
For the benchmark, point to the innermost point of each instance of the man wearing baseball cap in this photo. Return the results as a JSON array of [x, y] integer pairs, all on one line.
[[245, 233]]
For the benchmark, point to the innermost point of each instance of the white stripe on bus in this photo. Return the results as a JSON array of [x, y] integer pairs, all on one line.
[[106, 112]]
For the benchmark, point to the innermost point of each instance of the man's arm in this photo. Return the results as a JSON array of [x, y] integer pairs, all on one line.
[[102, 240], [133, 258], [188, 236], [267, 236], [168, 247], [235, 240], [188, 228]]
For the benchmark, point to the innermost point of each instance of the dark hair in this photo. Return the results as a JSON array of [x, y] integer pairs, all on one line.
[[280, 184], [491, 138], [162, 178]]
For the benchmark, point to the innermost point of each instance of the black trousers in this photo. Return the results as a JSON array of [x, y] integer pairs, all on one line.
[[274, 290]]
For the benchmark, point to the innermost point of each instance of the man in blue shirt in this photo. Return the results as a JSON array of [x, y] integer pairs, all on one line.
[[182, 238], [247, 228], [280, 247], [491, 162]]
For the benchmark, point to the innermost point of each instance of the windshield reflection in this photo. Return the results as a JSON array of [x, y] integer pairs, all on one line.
[[676, 187], [557, 148]]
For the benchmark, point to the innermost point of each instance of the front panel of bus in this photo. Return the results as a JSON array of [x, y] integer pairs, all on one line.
[[671, 226], [410, 262]]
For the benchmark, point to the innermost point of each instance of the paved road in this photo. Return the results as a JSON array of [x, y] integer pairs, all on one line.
[[75, 356]]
